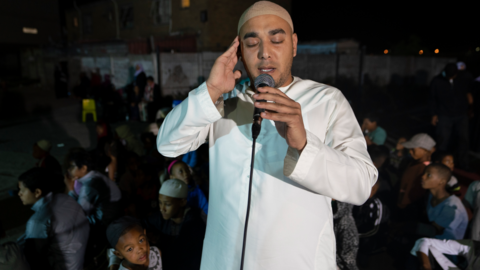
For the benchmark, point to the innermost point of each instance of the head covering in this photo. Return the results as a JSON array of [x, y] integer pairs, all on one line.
[[169, 170], [461, 65], [153, 128], [133, 144], [264, 8], [117, 228], [420, 140], [174, 188], [140, 70], [124, 132], [44, 145]]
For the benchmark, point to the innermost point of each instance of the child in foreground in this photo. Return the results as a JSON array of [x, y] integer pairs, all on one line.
[[421, 147], [445, 212], [130, 243]]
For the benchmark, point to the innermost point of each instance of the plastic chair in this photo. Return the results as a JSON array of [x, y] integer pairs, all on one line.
[[89, 107]]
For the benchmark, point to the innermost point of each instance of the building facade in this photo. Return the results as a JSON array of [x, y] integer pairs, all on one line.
[[178, 25], [26, 26]]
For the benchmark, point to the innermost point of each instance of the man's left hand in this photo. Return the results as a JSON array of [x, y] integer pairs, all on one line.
[[285, 110]]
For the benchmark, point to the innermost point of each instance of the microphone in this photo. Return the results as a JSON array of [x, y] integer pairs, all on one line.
[[261, 81]]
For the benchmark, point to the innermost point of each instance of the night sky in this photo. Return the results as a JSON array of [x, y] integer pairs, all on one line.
[[454, 28]]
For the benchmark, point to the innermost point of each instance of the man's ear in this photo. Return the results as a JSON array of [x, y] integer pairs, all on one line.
[[38, 193], [118, 254], [294, 43]]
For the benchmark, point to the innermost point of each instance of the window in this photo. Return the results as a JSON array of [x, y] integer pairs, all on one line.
[[87, 23], [161, 11], [75, 21], [126, 17], [185, 3]]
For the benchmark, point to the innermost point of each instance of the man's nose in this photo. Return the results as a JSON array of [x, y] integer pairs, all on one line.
[[264, 51]]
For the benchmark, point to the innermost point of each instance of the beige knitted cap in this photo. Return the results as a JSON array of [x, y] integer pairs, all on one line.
[[44, 145], [264, 8]]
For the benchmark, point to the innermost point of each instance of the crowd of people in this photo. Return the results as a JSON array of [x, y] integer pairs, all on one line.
[[423, 209], [124, 201]]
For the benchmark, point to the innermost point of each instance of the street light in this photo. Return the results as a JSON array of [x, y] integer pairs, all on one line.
[[28, 30], [437, 50], [385, 52], [420, 52]]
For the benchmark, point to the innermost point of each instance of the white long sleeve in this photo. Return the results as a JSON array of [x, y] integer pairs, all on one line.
[[340, 168], [450, 247], [186, 127]]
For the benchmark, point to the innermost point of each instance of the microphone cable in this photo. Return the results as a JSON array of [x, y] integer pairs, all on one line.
[[256, 127]]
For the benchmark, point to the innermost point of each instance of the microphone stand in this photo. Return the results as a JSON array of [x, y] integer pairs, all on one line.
[[256, 127]]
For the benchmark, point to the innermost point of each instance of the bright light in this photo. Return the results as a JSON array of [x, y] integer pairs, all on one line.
[[437, 50], [477, 49], [420, 52], [27, 30], [385, 52]]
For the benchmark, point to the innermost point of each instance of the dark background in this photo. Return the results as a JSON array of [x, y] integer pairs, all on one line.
[[451, 26]]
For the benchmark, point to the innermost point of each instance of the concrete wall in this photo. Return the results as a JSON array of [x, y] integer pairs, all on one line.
[[380, 70], [182, 72]]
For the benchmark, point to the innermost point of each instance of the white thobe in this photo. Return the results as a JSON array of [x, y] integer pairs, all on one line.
[[439, 247], [291, 225]]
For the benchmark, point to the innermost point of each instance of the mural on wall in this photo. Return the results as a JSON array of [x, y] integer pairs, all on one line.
[[177, 83]]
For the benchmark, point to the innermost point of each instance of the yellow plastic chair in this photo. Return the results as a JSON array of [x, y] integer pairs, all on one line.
[[89, 107]]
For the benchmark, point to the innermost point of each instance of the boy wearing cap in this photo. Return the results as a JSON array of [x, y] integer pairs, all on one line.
[[446, 212], [421, 147], [180, 229], [177, 229], [180, 170], [56, 234], [41, 152], [131, 249]]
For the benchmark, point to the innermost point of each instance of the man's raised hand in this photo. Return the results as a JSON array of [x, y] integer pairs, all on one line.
[[222, 78], [286, 110]]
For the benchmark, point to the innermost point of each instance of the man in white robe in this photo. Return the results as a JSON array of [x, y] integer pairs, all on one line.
[[310, 150]]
